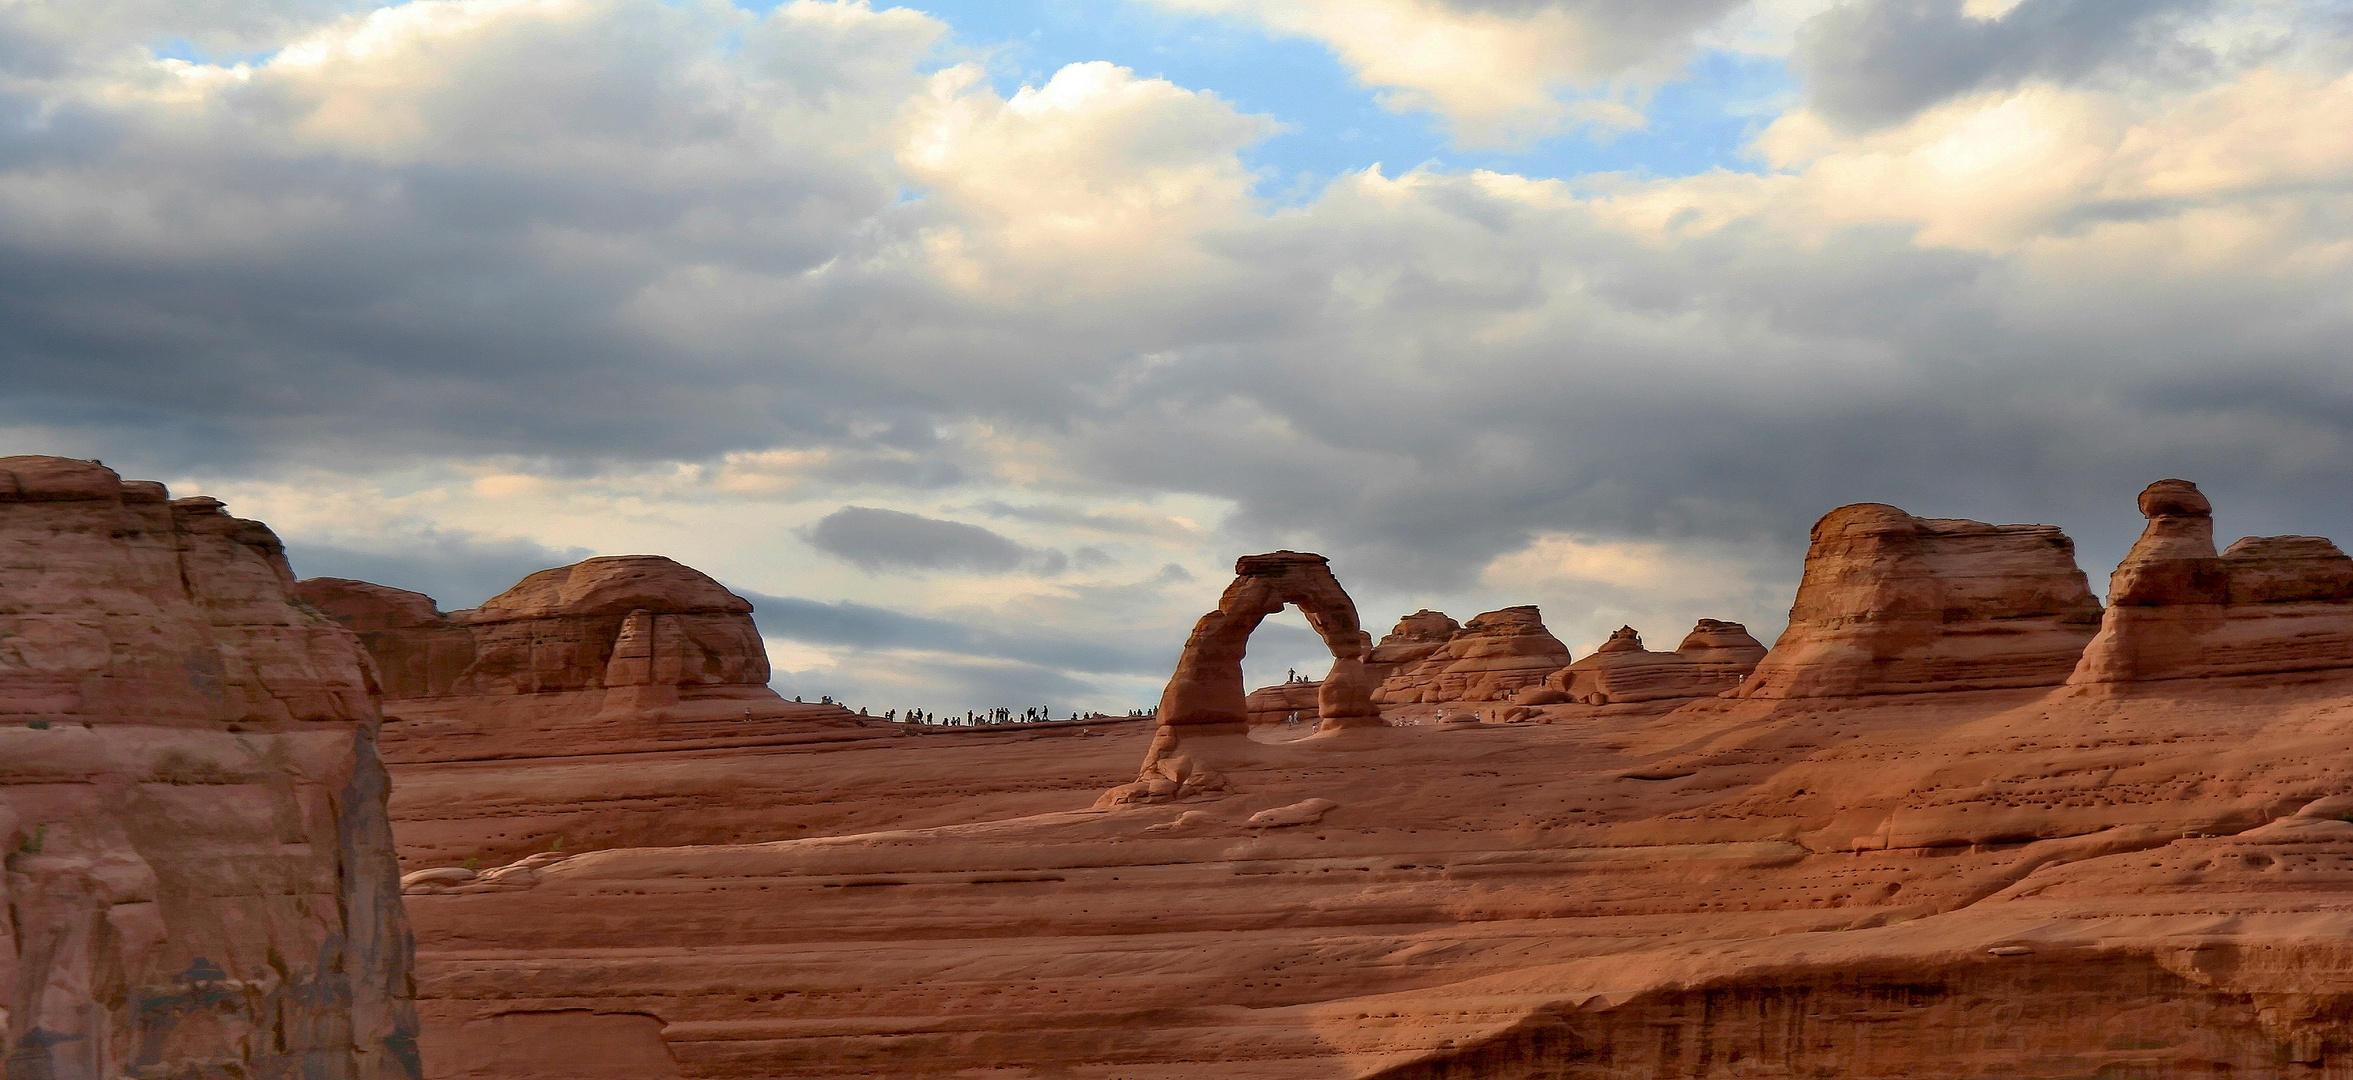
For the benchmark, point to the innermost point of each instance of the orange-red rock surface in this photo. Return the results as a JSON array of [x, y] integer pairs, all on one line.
[[1490, 657], [1896, 604], [1713, 658], [1885, 863], [1283, 702], [199, 870], [580, 707], [1411, 641], [2177, 610]]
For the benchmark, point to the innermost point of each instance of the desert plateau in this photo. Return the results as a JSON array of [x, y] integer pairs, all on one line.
[[1959, 820], [1176, 540]]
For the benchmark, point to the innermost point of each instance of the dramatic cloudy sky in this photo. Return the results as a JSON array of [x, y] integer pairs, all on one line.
[[974, 340]]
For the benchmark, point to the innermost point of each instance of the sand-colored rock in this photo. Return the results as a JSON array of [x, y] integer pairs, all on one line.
[[2268, 605], [1411, 641], [1283, 702], [1713, 659], [200, 878], [1493, 655], [1891, 603]]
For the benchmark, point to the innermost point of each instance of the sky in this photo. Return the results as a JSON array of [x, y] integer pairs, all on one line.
[[973, 341]]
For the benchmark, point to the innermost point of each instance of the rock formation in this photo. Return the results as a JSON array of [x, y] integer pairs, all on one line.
[[1283, 701], [1204, 703], [200, 878], [1415, 637], [2268, 605], [618, 654], [419, 653], [1490, 657], [1891, 603], [2017, 881], [1713, 658]]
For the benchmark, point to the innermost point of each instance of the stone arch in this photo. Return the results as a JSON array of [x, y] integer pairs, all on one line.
[[1206, 696]]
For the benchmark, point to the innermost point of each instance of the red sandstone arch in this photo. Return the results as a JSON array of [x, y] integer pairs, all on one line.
[[1207, 687], [1204, 719]]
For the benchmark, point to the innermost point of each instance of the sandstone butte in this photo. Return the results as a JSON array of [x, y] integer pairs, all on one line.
[[200, 875], [1959, 822]]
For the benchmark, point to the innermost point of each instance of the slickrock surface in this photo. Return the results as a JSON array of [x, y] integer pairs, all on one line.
[[200, 878], [2032, 881], [1490, 657], [1892, 603], [1410, 642], [1282, 701], [1713, 658], [2009, 882], [2267, 605]]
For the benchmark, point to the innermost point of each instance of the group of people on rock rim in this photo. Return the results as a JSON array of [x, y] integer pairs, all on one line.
[[981, 717]]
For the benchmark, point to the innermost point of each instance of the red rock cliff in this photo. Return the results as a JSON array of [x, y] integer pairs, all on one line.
[[200, 876], [1891, 603], [1491, 656]]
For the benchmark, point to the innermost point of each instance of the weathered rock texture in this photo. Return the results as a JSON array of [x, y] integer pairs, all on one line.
[[1203, 710], [1490, 657], [1892, 603], [2268, 605], [2029, 882], [621, 654], [1713, 658], [1283, 701], [1412, 641], [200, 879]]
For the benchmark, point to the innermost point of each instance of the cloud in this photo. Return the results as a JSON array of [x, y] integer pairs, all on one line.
[[455, 569], [636, 273], [877, 540], [1498, 72], [1877, 62]]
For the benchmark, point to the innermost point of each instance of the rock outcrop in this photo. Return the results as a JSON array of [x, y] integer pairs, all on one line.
[[1713, 658], [1284, 701], [419, 653], [1891, 603], [1493, 655], [1412, 641], [619, 654], [2268, 605], [200, 876], [1204, 708]]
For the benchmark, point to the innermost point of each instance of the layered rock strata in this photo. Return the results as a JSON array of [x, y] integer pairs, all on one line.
[[620, 654], [1283, 702], [2267, 605], [200, 877], [1712, 659], [1411, 641], [1892, 603], [1493, 655]]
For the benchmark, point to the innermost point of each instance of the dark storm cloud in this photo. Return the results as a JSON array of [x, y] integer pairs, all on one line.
[[877, 540], [1869, 63], [456, 570]]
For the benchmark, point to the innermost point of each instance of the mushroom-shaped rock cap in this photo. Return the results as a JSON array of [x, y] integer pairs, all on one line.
[[1276, 562], [1622, 639], [2174, 498], [610, 585]]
